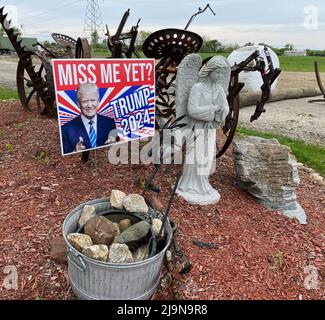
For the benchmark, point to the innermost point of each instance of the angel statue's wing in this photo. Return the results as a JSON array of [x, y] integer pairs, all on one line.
[[187, 76]]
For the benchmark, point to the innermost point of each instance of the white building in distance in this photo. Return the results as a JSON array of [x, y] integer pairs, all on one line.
[[295, 53]]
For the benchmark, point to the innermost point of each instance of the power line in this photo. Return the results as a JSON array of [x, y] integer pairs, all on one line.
[[49, 11], [93, 19]]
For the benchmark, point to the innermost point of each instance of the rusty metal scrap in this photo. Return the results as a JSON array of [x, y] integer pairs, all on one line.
[[169, 46], [38, 83], [117, 44], [320, 84]]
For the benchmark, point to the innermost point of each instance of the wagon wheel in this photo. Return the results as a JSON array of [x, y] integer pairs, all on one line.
[[83, 50], [65, 42], [27, 89], [226, 134]]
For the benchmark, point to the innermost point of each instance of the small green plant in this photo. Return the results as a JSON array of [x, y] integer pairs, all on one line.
[[2, 132], [18, 125], [171, 182], [42, 157], [142, 184], [10, 148], [277, 261]]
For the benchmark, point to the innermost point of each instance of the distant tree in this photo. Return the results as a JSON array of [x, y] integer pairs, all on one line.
[[46, 44], [17, 30], [210, 46], [142, 36], [264, 44], [230, 47], [94, 38], [289, 46], [248, 44], [315, 53]]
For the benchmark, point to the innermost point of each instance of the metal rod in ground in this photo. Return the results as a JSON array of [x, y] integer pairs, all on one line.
[[150, 179], [170, 204], [97, 176]]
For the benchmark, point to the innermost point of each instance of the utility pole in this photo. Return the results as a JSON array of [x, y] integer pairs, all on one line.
[[93, 20]]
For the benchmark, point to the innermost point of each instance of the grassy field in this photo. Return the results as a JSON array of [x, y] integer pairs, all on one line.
[[296, 64], [311, 155], [302, 64], [100, 53], [6, 94]]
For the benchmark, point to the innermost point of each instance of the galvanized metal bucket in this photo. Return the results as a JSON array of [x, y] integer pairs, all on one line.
[[95, 280]]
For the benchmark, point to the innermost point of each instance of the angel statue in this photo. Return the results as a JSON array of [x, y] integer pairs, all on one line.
[[201, 96]]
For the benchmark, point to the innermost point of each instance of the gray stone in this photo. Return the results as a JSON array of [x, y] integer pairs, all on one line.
[[134, 233], [156, 226], [79, 241], [141, 254], [168, 256], [116, 199], [268, 171], [135, 203], [87, 213], [97, 252], [101, 230], [120, 253], [317, 178], [124, 224]]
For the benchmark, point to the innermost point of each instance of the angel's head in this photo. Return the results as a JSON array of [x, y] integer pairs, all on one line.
[[216, 70]]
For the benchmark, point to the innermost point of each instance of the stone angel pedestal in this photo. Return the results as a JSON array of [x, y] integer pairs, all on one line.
[[201, 95]]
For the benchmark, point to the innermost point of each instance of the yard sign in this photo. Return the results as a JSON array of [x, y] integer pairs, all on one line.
[[126, 96]]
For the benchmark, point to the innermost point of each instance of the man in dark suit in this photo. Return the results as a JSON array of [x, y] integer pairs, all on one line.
[[89, 130]]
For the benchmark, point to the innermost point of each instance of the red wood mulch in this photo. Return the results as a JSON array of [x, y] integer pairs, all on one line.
[[36, 195]]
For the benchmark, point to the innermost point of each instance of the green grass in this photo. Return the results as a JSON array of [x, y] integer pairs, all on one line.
[[6, 94], [295, 64], [100, 53], [301, 64], [311, 155]]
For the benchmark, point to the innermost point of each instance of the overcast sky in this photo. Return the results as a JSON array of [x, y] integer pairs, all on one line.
[[274, 22]]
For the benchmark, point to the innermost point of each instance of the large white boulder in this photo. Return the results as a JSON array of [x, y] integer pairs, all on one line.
[[253, 80]]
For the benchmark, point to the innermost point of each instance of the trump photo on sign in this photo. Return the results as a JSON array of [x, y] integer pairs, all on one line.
[[103, 102]]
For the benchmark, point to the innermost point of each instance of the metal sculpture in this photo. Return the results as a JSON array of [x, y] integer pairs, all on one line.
[[117, 44], [169, 46], [65, 42], [320, 84], [172, 45], [34, 72]]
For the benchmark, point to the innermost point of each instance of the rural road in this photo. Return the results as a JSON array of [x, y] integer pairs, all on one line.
[[294, 118], [8, 67]]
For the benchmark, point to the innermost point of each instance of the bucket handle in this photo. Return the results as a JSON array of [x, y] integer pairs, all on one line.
[[81, 267]]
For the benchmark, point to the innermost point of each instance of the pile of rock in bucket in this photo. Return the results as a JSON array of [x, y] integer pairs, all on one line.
[[113, 242]]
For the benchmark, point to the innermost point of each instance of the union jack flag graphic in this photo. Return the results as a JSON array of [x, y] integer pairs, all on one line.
[[138, 122]]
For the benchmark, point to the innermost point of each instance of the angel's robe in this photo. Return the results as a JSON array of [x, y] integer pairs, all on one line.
[[207, 109]]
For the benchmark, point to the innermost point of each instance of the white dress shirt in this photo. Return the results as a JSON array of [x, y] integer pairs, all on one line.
[[87, 125]]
